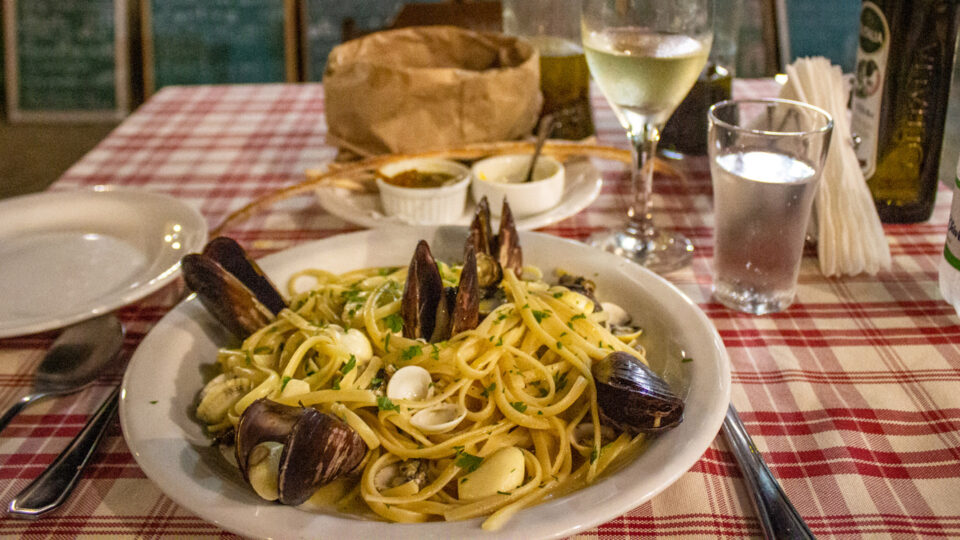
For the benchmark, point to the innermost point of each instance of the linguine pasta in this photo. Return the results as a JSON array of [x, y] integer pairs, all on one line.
[[520, 380]]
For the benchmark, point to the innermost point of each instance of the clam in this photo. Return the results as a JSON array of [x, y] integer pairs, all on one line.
[[500, 472], [410, 383], [581, 285], [634, 398], [231, 286], [317, 448], [440, 418], [219, 396], [428, 310]]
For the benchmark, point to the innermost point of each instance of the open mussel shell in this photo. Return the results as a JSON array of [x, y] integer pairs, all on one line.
[[318, 447], [422, 293], [434, 313], [634, 398], [232, 287], [232, 257], [263, 421], [508, 242], [224, 296]]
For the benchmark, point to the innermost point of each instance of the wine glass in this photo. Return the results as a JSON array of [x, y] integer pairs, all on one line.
[[645, 56]]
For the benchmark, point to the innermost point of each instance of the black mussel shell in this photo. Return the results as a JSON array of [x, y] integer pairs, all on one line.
[[421, 294], [466, 309], [317, 447], [481, 232], [320, 448], [263, 421], [633, 397], [224, 296], [230, 255], [508, 242]]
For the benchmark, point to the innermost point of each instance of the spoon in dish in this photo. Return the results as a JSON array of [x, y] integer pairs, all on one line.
[[73, 362], [546, 124]]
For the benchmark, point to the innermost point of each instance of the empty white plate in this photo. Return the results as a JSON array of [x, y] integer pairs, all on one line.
[[66, 256]]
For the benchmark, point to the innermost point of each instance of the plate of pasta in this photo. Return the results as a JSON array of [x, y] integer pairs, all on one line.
[[368, 404]]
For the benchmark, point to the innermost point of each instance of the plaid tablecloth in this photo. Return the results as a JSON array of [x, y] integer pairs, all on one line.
[[852, 395]]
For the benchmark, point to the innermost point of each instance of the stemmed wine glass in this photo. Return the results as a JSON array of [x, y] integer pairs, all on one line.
[[645, 56]]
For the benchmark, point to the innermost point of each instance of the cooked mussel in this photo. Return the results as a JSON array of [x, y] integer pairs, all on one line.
[[429, 310], [494, 253], [317, 447], [634, 398], [231, 286]]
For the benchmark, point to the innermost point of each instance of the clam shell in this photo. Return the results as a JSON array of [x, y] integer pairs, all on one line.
[[439, 418], [410, 383]]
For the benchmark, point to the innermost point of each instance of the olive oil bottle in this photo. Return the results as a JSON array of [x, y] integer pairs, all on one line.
[[899, 104]]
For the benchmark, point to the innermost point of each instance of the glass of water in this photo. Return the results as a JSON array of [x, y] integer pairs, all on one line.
[[766, 156]]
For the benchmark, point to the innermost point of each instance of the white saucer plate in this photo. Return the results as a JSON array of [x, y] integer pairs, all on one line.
[[583, 183], [66, 256]]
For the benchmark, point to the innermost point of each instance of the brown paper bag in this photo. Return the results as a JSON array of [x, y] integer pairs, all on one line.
[[430, 88]]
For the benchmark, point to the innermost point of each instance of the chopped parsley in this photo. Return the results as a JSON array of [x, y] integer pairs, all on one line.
[[284, 383], [411, 352], [559, 344], [469, 462], [376, 382], [540, 315], [560, 380], [435, 353], [386, 343], [488, 390], [519, 406], [558, 294], [594, 454], [394, 322], [685, 360], [384, 404], [348, 367], [578, 316], [503, 492], [153, 402]]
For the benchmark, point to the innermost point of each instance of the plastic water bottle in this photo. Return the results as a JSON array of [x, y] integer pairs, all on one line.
[[950, 263]]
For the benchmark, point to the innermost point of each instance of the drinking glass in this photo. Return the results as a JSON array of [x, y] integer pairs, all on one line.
[[553, 26], [766, 156], [645, 56]]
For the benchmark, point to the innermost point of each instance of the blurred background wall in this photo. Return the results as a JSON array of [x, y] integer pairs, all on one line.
[[74, 69]]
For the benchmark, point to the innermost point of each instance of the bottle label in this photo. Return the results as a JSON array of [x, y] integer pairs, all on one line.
[[868, 88], [951, 251]]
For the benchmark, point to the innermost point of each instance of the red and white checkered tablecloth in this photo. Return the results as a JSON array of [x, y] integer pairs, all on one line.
[[852, 394]]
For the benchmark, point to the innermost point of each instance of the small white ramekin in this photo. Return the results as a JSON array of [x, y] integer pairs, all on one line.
[[491, 180], [425, 206]]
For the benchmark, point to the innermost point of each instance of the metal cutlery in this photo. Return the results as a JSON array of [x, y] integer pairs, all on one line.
[[778, 518], [49, 490], [73, 362]]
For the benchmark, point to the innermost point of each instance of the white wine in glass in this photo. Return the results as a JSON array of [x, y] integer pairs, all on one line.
[[645, 56]]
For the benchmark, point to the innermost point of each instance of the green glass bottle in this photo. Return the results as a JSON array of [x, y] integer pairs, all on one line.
[[900, 96]]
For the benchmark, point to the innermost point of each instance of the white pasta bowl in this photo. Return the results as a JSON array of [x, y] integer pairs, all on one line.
[[502, 177], [170, 366], [425, 205]]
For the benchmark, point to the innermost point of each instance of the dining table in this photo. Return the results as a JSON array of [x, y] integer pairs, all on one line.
[[852, 394]]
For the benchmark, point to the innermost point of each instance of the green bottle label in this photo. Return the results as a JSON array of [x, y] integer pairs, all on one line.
[[868, 88], [951, 250]]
